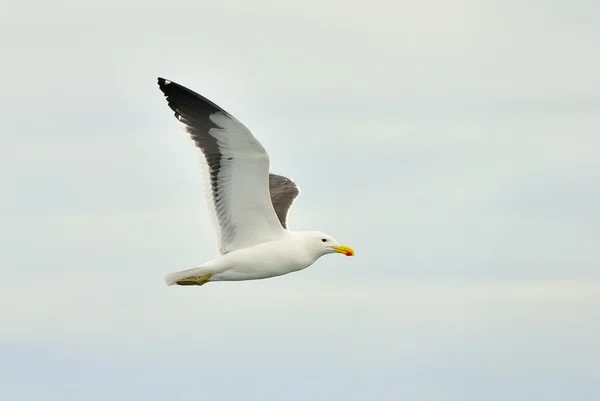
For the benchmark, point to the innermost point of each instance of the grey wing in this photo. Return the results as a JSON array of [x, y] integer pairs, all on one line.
[[283, 193]]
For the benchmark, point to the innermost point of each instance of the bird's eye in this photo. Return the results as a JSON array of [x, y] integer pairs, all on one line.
[[324, 240]]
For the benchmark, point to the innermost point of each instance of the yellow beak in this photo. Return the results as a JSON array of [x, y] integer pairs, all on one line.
[[346, 250]]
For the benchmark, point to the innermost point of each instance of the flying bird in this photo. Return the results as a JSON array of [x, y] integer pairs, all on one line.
[[249, 205]]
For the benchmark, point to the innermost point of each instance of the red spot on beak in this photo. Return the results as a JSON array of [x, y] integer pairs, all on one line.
[[348, 254]]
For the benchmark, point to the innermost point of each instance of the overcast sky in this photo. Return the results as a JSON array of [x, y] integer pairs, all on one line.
[[454, 145]]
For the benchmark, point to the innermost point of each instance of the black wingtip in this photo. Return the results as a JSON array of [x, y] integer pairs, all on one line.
[[162, 83], [176, 93]]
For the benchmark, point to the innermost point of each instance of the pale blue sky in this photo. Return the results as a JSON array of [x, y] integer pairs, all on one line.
[[454, 145]]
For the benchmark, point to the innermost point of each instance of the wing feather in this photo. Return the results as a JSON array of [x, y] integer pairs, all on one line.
[[238, 170], [283, 193]]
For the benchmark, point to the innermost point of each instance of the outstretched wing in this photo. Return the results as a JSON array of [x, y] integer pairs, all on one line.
[[283, 193], [238, 170]]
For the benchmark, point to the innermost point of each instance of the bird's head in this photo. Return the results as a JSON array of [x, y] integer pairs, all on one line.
[[323, 244]]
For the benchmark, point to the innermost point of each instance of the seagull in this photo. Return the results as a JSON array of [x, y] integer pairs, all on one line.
[[248, 204]]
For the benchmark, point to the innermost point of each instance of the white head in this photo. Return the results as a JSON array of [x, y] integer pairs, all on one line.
[[322, 244]]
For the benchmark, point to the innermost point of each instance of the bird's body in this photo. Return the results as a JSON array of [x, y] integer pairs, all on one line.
[[249, 204], [269, 259]]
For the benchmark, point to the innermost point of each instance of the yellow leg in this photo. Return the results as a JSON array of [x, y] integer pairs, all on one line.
[[198, 280]]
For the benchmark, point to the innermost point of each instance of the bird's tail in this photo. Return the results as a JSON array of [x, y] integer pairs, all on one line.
[[195, 276]]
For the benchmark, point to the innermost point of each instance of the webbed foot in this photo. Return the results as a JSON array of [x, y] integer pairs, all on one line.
[[198, 280]]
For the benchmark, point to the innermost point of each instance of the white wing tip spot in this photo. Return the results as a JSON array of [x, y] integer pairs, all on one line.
[[167, 82]]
